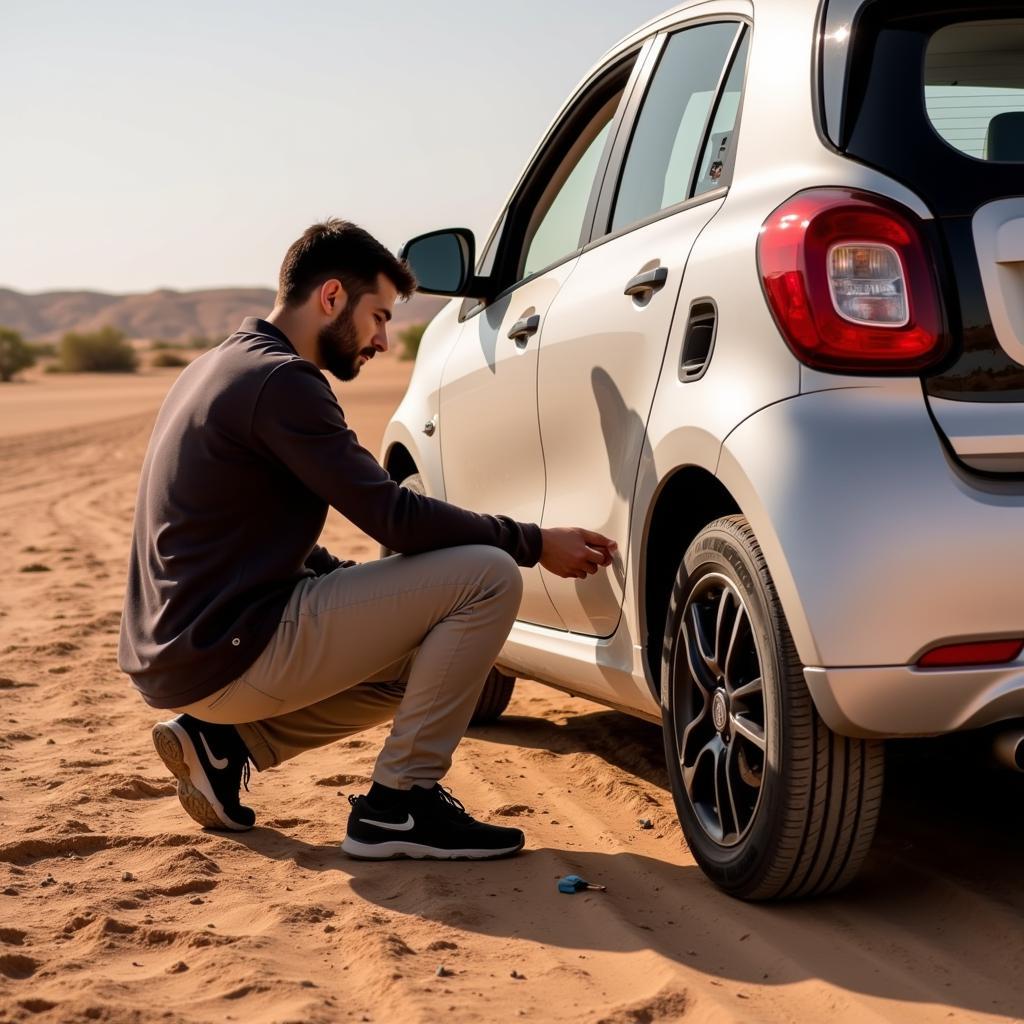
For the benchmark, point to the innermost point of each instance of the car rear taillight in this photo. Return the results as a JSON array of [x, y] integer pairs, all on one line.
[[851, 284], [986, 652]]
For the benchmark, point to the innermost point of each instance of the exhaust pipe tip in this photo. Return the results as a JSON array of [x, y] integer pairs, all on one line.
[[1009, 749]]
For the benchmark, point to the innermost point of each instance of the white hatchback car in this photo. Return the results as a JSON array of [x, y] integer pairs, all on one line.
[[755, 309]]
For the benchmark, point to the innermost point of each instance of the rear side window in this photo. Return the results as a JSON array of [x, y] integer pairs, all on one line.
[[721, 146], [974, 88], [669, 132]]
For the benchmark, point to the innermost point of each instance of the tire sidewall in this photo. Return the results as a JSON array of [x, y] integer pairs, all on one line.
[[718, 550]]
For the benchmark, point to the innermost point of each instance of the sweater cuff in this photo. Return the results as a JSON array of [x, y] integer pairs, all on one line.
[[534, 544]]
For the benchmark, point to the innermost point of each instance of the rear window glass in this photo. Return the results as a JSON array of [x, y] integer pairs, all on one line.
[[974, 88]]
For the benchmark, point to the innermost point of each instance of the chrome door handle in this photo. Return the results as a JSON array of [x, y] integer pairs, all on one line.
[[647, 282], [524, 329]]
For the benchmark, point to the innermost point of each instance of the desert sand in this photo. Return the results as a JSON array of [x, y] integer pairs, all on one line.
[[115, 906]]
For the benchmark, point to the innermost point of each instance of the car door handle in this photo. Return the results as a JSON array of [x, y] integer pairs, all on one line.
[[648, 281], [523, 330]]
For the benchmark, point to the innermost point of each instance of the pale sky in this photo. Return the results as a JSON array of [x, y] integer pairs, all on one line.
[[185, 145]]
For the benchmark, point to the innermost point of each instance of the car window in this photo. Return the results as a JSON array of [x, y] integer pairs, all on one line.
[[670, 128], [720, 145], [974, 88], [556, 222]]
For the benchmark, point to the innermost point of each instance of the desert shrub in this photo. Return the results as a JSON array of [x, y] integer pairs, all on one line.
[[43, 349], [410, 339], [160, 345], [102, 351], [166, 357], [199, 341], [15, 354]]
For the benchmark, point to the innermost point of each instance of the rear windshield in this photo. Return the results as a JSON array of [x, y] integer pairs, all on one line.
[[974, 87], [934, 99]]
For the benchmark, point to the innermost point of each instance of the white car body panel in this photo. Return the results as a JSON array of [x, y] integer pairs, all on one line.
[[600, 359], [495, 463], [787, 442]]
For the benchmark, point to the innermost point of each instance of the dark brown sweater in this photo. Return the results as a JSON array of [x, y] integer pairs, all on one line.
[[248, 450]]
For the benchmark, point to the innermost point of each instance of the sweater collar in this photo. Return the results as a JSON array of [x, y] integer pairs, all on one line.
[[254, 325]]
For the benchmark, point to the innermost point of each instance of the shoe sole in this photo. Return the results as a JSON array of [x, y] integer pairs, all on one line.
[[396, 849], [195, 793]]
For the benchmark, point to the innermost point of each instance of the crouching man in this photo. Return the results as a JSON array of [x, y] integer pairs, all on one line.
[[266, 645]]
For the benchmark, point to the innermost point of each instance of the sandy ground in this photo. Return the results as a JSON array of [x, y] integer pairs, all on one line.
[[115, 907]]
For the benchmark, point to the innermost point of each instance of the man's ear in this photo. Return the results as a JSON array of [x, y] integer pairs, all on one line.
[[333, 297]]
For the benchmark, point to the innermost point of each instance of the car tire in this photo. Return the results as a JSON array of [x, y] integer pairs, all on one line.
[[494, 697], [497, 691], [772, 803]]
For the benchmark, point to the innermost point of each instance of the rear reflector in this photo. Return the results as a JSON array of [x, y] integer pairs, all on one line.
[[989, 652], [851, 283]]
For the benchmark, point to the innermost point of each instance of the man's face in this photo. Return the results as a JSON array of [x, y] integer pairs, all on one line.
[[358, 332]]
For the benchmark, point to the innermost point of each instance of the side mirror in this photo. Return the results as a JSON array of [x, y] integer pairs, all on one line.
[[443, 261]]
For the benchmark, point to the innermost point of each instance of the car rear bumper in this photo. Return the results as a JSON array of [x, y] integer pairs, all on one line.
[[901, 700], [881, 548]]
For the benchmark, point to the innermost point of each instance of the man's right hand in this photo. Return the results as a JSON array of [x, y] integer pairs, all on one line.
[[575, 553]]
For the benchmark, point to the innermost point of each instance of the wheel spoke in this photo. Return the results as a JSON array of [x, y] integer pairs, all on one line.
[[748, 689], [703, 644], [748, 729], [701, 667], [723, 601], [733, 647], [728, 772], [721, 753], [699, 719], [690, 771]]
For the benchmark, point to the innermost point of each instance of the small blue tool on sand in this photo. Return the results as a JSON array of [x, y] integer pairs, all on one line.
[[573, 884]]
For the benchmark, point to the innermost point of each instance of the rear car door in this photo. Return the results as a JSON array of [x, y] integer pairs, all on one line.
[[490, 440], [607, 330]]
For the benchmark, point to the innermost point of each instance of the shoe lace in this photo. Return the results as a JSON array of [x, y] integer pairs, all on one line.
[[245, 774], [446, 797]]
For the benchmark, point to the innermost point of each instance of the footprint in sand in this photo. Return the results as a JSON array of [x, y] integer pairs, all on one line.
[[17, 966], [6, 683], [344, 779], [137, 788], [36, 1005], [513, 810]]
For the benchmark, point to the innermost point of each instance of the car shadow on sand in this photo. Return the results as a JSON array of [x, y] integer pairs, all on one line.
[[933, 919]]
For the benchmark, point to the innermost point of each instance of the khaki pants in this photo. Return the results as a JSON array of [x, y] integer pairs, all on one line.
[[407, 637]]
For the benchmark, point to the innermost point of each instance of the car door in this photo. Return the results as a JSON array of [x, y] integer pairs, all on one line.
[[606, 333], [490, 440]]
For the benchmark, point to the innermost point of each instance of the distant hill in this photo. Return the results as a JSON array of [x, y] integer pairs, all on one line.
[[163, 315]]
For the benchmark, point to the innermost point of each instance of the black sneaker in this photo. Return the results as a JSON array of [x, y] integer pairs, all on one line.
[[211, 763], [430, 823]]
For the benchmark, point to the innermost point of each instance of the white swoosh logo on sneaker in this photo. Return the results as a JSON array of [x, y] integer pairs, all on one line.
[[217, 762], [401, 826]]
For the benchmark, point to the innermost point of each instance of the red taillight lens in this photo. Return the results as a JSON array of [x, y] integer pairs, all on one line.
[[988, 652], [850, 283]]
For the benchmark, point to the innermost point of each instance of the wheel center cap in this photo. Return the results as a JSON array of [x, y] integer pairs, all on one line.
[[720, 710]]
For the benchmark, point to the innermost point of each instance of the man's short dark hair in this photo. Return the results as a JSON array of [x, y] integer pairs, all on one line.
[[341, 249]]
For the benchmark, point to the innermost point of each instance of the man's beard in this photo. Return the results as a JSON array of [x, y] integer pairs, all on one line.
[[339, 347]]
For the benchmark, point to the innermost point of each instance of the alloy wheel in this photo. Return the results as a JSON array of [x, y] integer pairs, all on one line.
[[719, 710]]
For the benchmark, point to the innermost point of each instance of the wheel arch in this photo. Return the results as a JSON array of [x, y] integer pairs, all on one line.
[[686, 501], [399, 463]]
